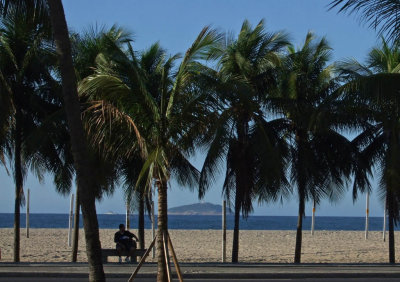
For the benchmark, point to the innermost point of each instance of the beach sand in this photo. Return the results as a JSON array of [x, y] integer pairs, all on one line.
[[51, 245]]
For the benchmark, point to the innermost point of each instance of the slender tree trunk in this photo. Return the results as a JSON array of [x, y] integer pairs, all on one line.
[[235, 245], [75, 242], [93, 246], [162, 228], [389, 198], [301, 188], [18, 184], [128, 216], [299, 233], [141, 221], [83, 166], [242, 177]]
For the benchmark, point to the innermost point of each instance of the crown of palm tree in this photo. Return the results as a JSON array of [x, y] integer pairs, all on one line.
[[309, 105], [152, 100], [28, 84], [373, 89], [246, 72]]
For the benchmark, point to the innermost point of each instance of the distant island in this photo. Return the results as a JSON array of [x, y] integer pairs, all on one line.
[[198, 209]]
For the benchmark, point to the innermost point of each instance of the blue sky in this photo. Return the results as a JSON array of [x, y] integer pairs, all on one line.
[[175, 24]]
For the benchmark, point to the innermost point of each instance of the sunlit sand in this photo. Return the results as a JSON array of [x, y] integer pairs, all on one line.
[[51, 245]]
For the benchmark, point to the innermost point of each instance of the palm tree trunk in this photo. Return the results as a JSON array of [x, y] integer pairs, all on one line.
[[299, 234], [235, 245], [141, 221], [241, 177], [93, 245], [83, 166], [389, 199], [162, 228], [75, 241], [18, 184], [301, 188]]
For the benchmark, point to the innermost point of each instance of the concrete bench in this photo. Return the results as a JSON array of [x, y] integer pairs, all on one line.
[[113, 253]]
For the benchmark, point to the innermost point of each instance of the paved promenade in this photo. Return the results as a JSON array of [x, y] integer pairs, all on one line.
[[207, 271]]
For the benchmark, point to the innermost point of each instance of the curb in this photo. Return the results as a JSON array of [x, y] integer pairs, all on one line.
[[210, 275]]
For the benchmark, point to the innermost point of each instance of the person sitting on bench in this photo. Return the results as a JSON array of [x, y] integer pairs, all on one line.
[[124, 241]]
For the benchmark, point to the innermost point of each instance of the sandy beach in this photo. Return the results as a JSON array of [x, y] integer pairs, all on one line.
[[51, 245]]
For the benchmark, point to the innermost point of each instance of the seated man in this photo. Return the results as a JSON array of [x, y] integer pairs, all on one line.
[[124, 241]]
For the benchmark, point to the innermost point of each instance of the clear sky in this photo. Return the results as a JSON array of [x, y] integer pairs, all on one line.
[[175, 24]]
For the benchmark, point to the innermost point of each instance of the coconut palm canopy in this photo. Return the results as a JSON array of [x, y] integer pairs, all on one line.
[[160, 108], [320, 157], [241, 135], [32, 121]]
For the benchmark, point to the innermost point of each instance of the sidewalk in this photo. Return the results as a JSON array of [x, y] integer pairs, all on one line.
[[205, 270]]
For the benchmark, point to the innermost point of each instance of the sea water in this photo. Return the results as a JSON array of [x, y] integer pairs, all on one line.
[[111, 221]]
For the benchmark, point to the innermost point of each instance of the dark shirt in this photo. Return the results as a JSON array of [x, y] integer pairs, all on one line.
[[123, 238]]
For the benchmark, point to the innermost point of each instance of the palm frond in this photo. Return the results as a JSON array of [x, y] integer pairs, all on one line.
[[381, 15], [206, 40], [216, 152]]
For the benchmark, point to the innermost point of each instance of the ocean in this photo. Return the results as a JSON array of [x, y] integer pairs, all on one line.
[[111, 221]]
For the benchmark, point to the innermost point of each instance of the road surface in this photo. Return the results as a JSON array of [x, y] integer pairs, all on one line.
[[55, 279]]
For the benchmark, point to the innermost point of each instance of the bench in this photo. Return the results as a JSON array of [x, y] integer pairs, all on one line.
[[113, 253]]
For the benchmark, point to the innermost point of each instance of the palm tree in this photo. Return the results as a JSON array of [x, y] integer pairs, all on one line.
[[86, 47], [84, 169], [45, 144], [27, 59], [373, 90], [239, 132], [320, 157], [379, 14], [162, 109], [83, 165]]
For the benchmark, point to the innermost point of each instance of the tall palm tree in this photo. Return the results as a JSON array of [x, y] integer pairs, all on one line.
[[45, 144], [27, 59], [162, 108], [83, 165], [373, 90], [86, 46], [239, 132], [320, 157], [378, 14]]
